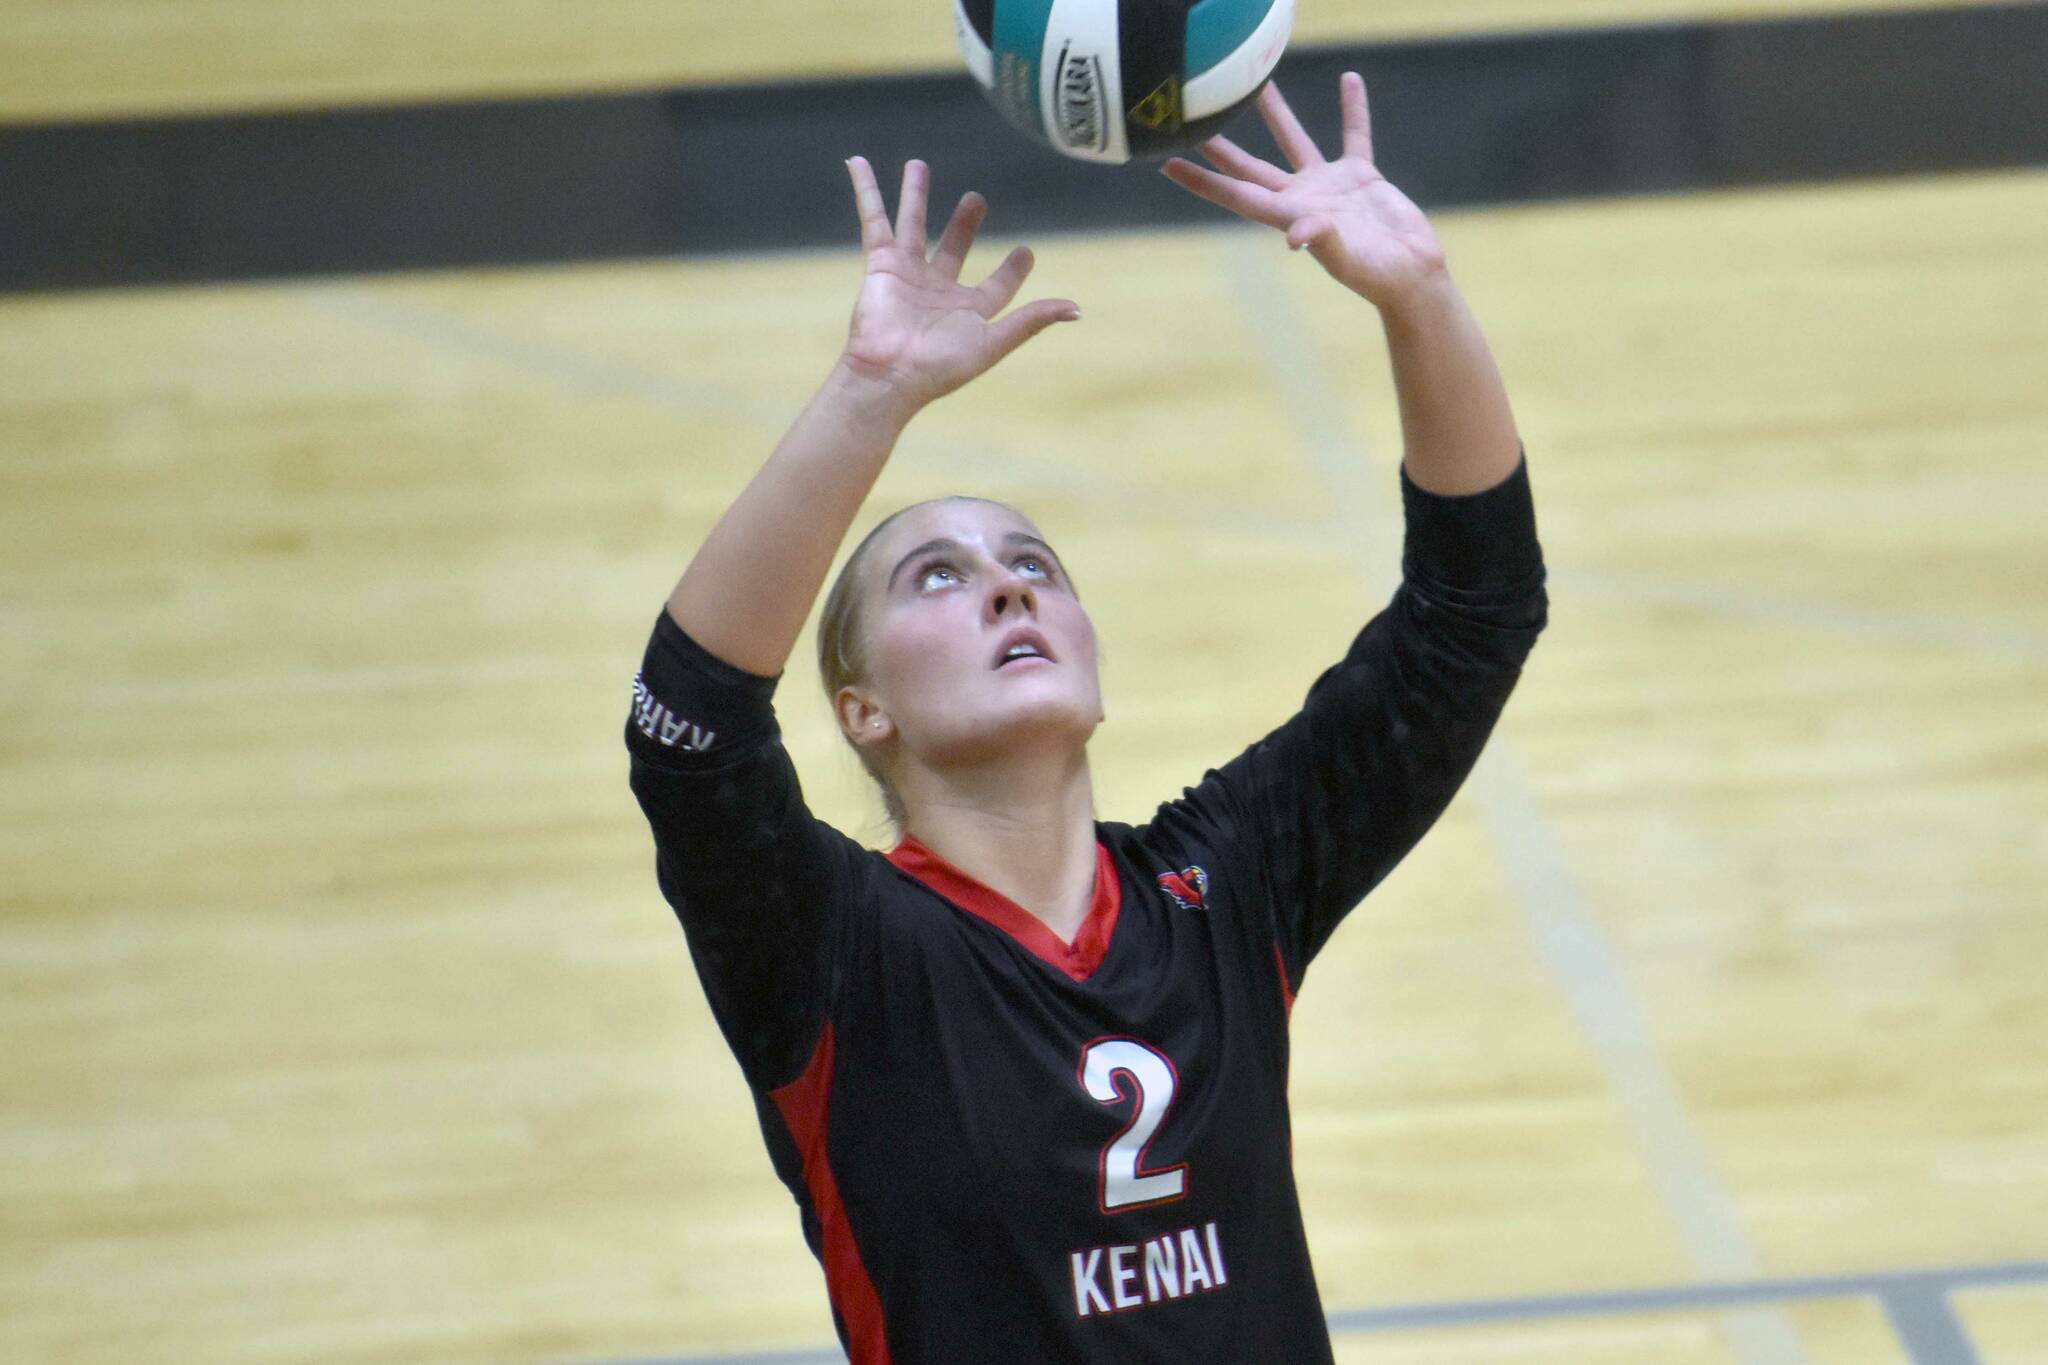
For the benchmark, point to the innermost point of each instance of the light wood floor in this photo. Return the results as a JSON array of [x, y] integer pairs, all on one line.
[[344, 1022], [86, 59]]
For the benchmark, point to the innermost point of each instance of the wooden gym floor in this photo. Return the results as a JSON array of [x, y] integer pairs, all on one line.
[[345, 1024]]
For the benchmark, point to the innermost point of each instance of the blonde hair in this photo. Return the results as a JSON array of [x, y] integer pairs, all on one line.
[[842, 657]]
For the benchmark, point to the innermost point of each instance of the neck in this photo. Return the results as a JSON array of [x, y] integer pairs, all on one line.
[[1022, 825]]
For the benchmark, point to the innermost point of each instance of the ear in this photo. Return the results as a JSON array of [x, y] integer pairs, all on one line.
[[861, 717]]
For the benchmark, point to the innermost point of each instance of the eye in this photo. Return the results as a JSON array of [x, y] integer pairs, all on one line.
[[936, 576], [1032, 564]]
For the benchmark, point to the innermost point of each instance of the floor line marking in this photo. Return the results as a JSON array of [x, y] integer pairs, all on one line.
[[1679, 1298], [1707, 1218], [1883, 1285], [1928, 1327]]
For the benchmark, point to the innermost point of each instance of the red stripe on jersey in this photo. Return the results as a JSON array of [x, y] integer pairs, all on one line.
[[1286, 991], [806, 1104], [1078, 959]]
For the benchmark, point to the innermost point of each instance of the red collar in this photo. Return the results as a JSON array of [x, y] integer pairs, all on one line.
[[1078, 959]]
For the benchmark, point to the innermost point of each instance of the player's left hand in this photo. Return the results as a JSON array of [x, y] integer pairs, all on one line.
[[1367, 234]]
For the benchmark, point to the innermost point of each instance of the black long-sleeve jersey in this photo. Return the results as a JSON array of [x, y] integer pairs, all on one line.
[[1007, 1148]]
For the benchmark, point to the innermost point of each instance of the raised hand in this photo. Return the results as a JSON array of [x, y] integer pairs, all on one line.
[[1367, 234], [915, 326]]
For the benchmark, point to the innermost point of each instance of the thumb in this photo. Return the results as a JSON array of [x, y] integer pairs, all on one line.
[[1307, 230], [1019, 325]]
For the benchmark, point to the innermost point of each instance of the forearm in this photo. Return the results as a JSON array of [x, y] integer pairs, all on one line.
[[1457, 430], [749, 588]]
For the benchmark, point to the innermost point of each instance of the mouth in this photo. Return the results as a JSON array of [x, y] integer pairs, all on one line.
[[1023, 649]]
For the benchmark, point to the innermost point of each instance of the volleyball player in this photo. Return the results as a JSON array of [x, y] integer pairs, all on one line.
[[1026, 1073]]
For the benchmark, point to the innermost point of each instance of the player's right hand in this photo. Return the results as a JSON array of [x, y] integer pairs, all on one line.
[[916, 327]]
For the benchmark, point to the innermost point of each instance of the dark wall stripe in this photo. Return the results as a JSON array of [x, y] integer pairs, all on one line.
[[1465, 122]]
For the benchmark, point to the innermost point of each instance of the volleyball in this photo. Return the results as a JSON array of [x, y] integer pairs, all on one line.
[[1121, 80]]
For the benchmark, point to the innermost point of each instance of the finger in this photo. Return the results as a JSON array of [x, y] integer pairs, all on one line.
[[1357, 115], [1286, 128], [1233, 160], [917, 187], [1246, 201], [867, 201], [1009, 332], [1306, 231], [958, 238], [1004, 281]]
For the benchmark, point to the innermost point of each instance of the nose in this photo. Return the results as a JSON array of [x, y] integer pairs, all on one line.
[[1012, 596]]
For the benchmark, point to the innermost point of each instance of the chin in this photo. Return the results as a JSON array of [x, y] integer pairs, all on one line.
[[1050, 722]]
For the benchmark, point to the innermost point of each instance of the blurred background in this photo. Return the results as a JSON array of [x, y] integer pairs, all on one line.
[[369, 372]]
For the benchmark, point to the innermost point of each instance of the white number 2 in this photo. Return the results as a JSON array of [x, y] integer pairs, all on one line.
[[1152, 1076]]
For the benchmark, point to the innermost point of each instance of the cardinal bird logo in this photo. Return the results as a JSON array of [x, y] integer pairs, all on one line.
[[1186, 888]]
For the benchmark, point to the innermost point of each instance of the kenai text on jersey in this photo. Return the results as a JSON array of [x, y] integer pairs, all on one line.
[[1173, 1265]]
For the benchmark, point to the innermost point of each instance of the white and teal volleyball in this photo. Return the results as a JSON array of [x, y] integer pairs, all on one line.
[[1122, 80]]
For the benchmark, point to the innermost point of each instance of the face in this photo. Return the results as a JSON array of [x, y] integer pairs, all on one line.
[[974, 642]]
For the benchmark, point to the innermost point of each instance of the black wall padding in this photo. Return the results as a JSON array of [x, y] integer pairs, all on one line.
[[1462, 122]]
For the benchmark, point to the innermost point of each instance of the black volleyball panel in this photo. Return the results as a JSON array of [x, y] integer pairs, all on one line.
[[981, 17], [1151, 50], [1196, 131]]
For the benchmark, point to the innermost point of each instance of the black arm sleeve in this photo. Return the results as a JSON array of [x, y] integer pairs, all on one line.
[[1327, 804], [760, 884]]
